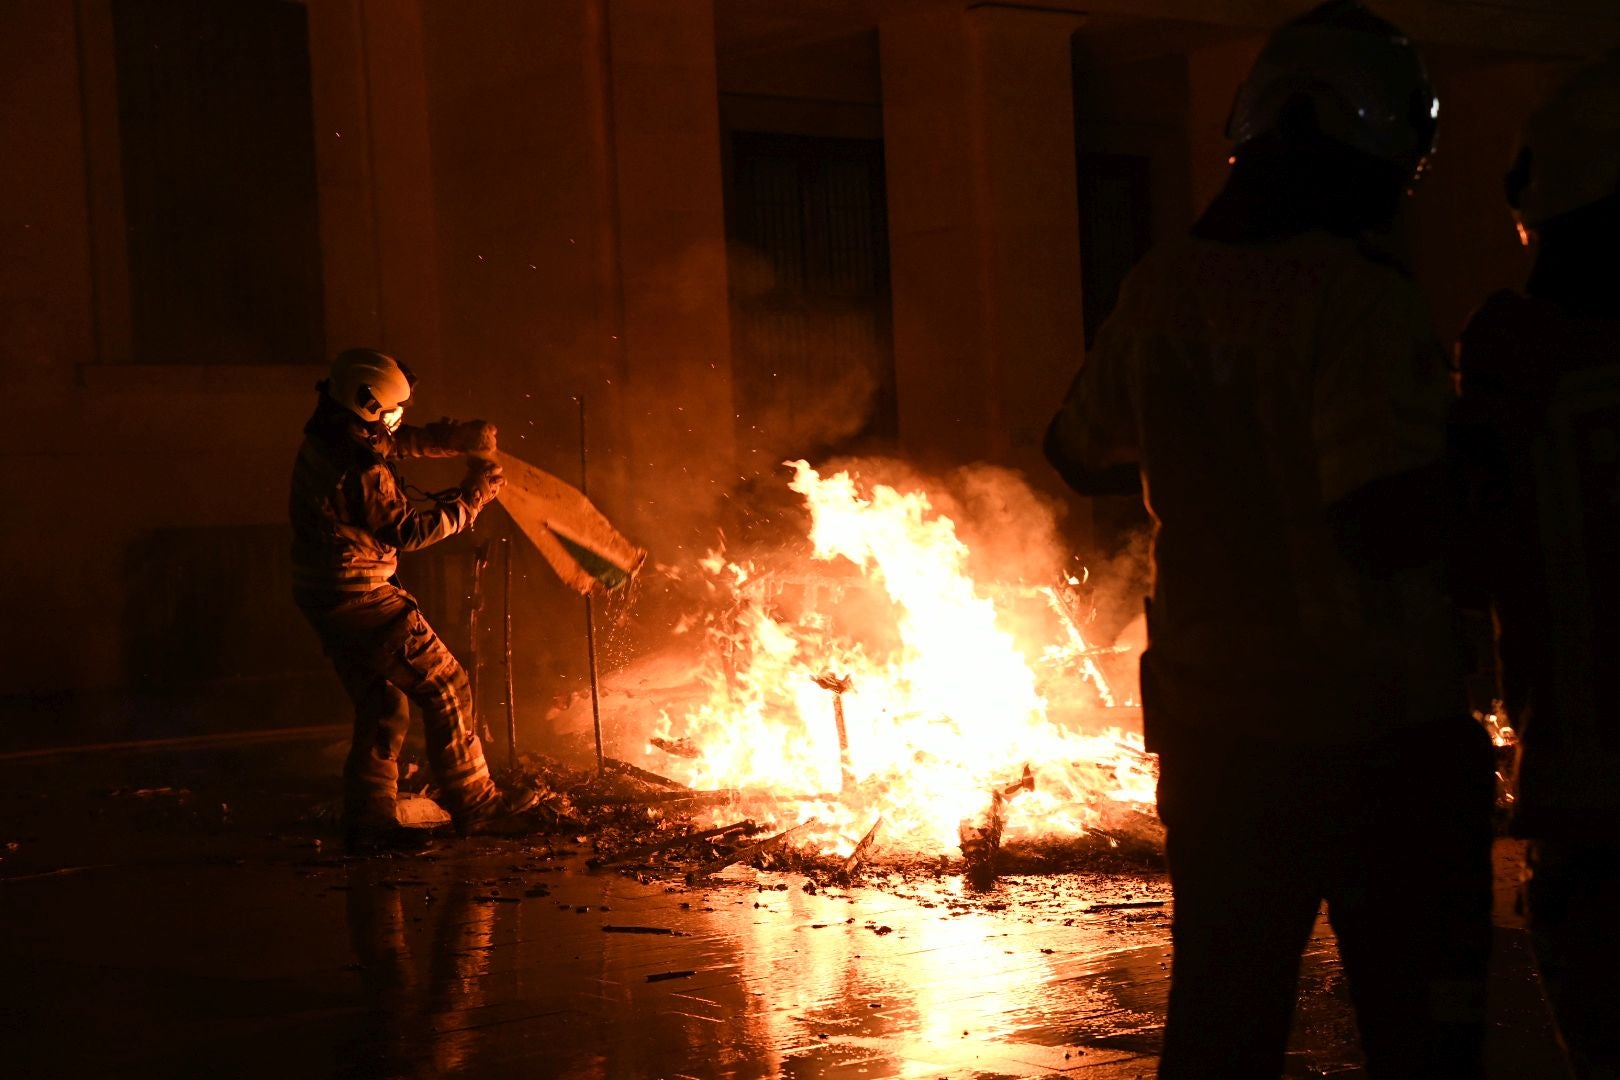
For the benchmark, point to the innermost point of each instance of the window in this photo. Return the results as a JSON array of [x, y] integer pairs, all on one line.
[[217, 153]]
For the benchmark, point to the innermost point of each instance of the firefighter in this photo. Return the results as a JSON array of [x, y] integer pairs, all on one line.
[[1273, 385], [1538, 428], [351, 517]]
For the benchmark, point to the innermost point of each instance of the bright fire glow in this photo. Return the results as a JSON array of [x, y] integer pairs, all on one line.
[[950, 681]]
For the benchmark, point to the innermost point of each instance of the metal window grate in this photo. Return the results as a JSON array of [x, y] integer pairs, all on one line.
[[811, 315], [216, 127]]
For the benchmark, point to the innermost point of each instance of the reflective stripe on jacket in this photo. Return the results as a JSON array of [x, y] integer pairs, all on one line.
[[1538, 430], [350, 515]]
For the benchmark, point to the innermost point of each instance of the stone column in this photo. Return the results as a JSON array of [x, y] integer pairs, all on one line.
[[669, 218]]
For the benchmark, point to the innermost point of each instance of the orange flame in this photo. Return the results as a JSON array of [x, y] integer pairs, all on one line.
[[945, 701]]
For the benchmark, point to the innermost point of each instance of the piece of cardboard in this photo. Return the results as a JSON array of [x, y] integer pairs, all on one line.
[[582, 546]]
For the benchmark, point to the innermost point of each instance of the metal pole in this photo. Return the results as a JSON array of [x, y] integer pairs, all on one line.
[[475, 655], [828, 681], [590, 611], [511, 694]]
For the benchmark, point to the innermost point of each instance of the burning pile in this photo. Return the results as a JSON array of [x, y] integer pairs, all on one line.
[[877, 683]]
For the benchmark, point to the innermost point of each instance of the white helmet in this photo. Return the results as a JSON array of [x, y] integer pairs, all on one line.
[[372, 385], [1364, 78], [1569, 155]]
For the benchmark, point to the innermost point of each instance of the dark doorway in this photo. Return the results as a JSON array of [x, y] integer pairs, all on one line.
[[810, 304]]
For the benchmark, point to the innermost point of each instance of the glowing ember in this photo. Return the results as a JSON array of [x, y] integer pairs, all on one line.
[[948, 686]]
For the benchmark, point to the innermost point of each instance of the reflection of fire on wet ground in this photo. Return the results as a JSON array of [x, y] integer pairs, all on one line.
[[915, 683]]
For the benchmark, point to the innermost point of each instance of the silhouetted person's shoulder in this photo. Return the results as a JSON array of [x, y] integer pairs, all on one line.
[[1522, 346]]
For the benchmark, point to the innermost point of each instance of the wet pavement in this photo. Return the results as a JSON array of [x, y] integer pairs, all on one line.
[[176, 914]]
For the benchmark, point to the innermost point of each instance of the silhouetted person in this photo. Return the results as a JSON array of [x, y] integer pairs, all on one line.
[[351, 518], [1275, 381], [1538, 425]]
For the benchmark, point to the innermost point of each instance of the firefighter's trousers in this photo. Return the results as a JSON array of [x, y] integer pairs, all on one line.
[[388, 657], [1394, 833]]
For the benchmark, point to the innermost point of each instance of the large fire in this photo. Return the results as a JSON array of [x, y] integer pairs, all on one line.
[[954, 688]]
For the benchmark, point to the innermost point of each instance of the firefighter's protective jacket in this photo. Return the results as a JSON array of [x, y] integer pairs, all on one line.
[[350, 514], [1256, 385], [1538, 429]]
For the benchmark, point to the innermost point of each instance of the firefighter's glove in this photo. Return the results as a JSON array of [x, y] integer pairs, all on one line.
[[483, 482], [474, 437], [464, 436], [460, 436]]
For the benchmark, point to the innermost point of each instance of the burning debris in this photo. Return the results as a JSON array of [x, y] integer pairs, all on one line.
[[752, 851], [681, 748], [938, 683], [944, 680], [717, 835], [981, 843], [638, 824]]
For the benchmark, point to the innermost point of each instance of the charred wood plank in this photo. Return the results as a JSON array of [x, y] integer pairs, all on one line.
[[676, 842], [709, 869], [663, 976], [624, 768], [862, 849], [1121, 905], [700, 798]]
